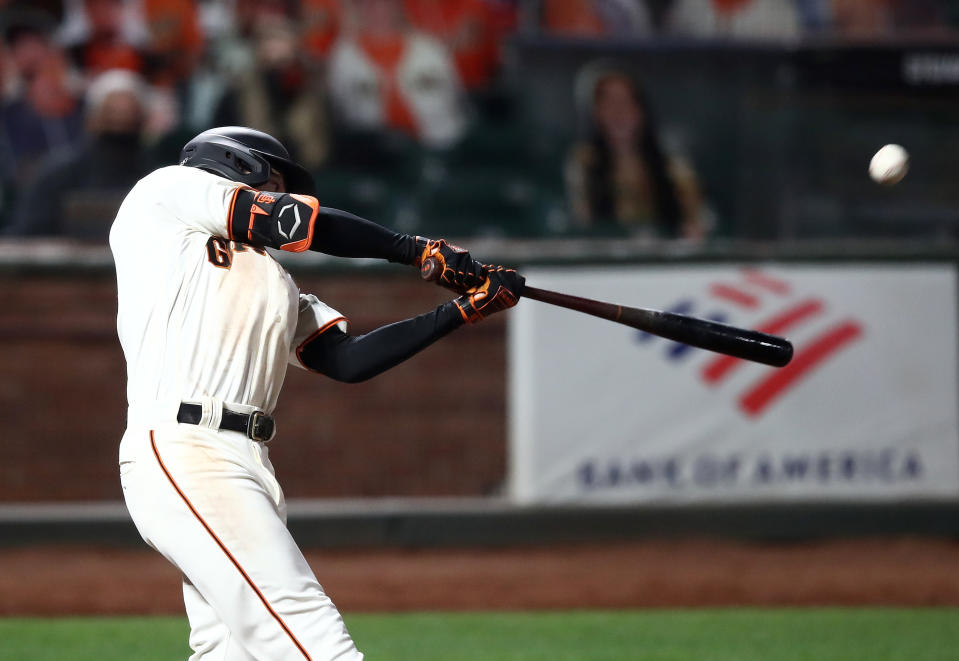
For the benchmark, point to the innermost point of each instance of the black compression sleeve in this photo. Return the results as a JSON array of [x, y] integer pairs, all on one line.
[[343, 234], [350, 358]]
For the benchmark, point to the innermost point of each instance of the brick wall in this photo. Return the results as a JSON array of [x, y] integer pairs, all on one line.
[[432, 426]]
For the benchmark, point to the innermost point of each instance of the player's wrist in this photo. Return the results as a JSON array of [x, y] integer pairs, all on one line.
[[420, 249], [408, 250], [450, 314]]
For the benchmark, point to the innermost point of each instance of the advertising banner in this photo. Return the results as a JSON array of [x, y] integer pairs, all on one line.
[[866, 410]]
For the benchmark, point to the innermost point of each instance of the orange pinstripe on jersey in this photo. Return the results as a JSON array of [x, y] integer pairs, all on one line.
[[233, 560]]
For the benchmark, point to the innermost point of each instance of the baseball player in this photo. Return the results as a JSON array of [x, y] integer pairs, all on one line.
[[208, 321]]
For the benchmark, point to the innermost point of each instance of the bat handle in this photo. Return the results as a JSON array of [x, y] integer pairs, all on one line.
[[431, 269]]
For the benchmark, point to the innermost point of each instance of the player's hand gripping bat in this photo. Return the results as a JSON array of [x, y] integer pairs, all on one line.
[[710, 335]]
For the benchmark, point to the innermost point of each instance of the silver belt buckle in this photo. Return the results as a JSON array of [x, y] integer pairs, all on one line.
[[261, 427]]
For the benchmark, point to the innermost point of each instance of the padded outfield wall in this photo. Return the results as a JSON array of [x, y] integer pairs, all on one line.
[[360, 457]]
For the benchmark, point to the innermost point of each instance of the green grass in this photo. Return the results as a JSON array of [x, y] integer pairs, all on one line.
[[833, 634]]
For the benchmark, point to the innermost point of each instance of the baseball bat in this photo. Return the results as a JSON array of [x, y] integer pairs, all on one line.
[[710, 335]]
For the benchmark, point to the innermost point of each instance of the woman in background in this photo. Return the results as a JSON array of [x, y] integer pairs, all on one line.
[[619, 176]]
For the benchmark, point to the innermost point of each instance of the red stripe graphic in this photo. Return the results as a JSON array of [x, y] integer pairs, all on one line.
[[233, 560], [762, 394], [760, 279], [734, 295], [718, 368]]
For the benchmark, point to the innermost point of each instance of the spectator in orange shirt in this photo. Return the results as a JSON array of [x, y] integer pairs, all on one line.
[[469, 30], [595, 18], [104, 34], [382, 75], [321, 21], [176, 42]]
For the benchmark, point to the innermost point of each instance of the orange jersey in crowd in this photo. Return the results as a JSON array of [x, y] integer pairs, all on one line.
[[322, 20], [468, 28], [388, 54]]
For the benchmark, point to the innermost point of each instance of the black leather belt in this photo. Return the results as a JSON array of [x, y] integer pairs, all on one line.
[[257, 425]]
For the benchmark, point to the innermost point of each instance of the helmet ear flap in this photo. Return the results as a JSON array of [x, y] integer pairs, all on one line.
[[231, 161], [240, 164]]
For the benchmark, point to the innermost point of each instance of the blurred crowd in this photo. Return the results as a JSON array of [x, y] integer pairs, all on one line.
[[99, 92], [403, 109], [751, 19]]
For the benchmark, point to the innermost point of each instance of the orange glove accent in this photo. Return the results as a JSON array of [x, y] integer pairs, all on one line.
[[500, 291], [460, 271]]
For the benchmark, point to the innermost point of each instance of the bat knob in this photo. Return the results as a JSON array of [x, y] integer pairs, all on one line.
[[431, 269]]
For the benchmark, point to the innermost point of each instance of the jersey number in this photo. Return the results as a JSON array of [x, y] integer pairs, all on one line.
[[220, 252]]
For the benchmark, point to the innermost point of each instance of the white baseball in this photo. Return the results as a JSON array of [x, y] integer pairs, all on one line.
[[889, 165]]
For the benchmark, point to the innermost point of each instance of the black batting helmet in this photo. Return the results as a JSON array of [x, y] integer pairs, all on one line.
[[245, 155]]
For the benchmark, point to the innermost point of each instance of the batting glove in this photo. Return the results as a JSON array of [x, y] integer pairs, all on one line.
[[461, 272], [501, 290]]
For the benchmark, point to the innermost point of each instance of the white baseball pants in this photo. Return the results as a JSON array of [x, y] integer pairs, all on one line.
[[209, 502]]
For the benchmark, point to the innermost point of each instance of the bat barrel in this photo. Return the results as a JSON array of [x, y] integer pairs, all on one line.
[[714, 336]]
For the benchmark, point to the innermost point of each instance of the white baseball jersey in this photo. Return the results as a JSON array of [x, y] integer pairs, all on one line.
[[209, 320], [200, 315]]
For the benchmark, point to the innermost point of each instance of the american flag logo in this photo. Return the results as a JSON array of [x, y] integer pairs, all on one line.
[[778, 310]]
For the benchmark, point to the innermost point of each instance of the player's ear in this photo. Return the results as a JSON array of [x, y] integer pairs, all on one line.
[[276, 183]]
